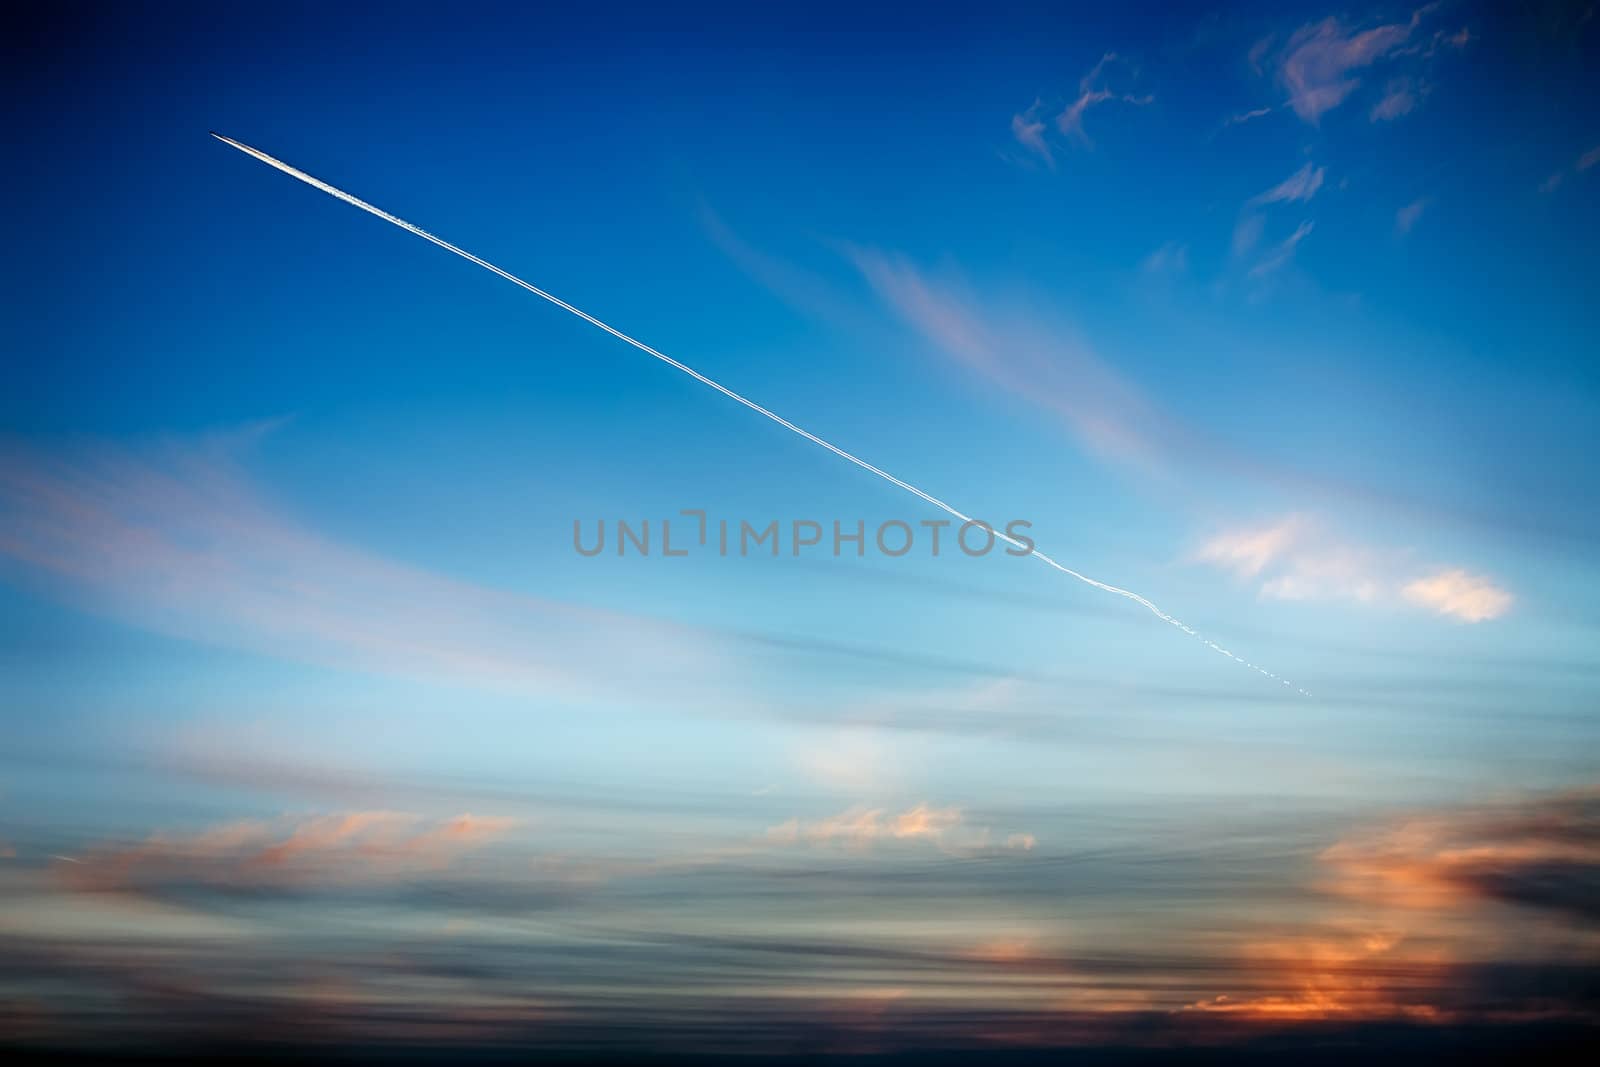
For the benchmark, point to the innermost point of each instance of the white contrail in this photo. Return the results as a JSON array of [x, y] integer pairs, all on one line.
[[729, 393]]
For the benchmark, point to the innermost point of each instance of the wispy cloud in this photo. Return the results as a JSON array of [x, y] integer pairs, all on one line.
[[1106, 82], [1247, 233], [1399, 99], [1407, 217], [177, 538], [1318, 66], [1028, 129], [1283, 252], [860, 828], [1170, 258], [1249, 551], [1029, 348], [1322, 63], [1248, 116], [1298, 187], [1294, 558], [1586, 161], [1093, 90], [1049, 367], [1298, 558]]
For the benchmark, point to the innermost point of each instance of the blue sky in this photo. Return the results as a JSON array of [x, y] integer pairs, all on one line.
[[1283, 319]]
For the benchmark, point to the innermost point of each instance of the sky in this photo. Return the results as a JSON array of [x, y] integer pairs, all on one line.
[[314, 708]]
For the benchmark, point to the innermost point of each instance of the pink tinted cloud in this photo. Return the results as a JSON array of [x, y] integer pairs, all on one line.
[[1399, 99], [1094, 88], [1299, 187], [1318, 67], [1048, 367], [1035, 355], [1029, 133]]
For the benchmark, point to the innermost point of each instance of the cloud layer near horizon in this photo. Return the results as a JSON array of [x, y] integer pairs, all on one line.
[[488, 931]]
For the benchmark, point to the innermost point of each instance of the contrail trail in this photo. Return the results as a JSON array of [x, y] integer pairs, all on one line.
[[730, 394]]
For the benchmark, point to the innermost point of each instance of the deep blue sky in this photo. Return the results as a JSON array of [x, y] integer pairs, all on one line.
[[1284, 319]]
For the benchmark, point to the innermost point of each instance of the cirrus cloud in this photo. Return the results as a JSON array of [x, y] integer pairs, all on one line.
[[1094, 88], [1322, 63]]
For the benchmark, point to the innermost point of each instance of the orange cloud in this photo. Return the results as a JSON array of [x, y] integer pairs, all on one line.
[[1361, 976], [1417, 904], [1541, 854], [860, 828], [350, 847]]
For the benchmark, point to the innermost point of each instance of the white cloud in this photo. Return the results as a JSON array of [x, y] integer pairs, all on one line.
[[1469, 597], [1328, 572], [1247, 552], [1297, 558]]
